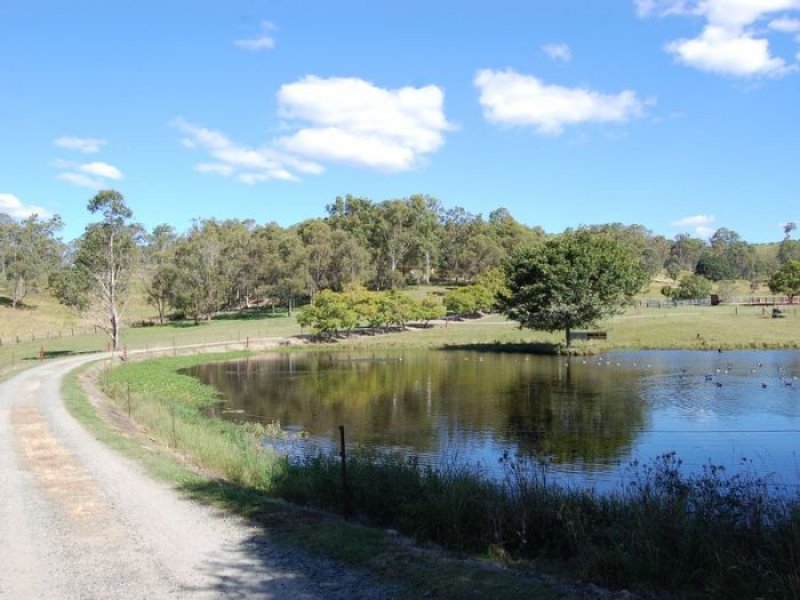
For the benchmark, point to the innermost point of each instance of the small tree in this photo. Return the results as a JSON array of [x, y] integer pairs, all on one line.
[[571, 281], [693, 286], [786, 280]]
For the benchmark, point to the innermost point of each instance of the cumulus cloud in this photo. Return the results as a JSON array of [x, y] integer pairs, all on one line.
[[101, 169], [335, 120], [262, 41], [14, 207], [514, 99], [93, 175], [731, 41], [353, 121], [81, 180], [245, 164], [700, 224], [85, 145], [558, 52]]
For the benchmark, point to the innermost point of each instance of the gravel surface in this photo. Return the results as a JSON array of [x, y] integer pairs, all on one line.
[[80, 521]]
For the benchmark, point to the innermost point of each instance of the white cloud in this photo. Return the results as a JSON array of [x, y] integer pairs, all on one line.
[[730, 43], [93, 175], [694, 221], [337, 120], [559, 52], [85, 145], [81, 180], [263, 41], [700, 224], [664, 8], [720, 51], [101, 169], [248, 165], [785, 25], [514, 99], [14, 207], [353, 121]]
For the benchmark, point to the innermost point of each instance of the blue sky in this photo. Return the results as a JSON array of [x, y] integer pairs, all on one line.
[[680, 115]]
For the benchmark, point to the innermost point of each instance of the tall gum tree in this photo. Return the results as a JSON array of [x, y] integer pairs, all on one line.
[[570, 281], [97, 281]]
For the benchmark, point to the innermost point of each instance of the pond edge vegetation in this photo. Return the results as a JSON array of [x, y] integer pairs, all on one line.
[[709, 535]]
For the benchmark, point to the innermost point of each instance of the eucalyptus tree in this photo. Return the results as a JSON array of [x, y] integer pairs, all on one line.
[[159, 269], [30, 252], [202, 285], [350, 263], [97, 282], [458, 226]]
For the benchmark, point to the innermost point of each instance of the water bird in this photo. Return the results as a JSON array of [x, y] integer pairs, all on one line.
[[708, 376], [763, 385], [718, 384]]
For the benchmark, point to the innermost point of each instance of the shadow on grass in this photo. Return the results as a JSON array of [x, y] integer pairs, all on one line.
[[8, 302], [544, 348], [61, 354], [258, 314]]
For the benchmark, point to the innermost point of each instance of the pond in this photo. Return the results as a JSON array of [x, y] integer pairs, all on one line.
[[587, 417]]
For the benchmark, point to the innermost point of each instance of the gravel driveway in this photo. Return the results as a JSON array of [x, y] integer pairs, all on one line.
[[80, 521]]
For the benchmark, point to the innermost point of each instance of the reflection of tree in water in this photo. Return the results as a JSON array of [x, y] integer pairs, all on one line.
[[427, 400], [584, 414]]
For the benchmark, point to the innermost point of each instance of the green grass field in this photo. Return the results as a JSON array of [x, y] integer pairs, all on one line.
[[43, 326]]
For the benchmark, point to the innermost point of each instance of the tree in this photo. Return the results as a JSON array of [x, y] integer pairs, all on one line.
[[30, 253], [786, 280], [693, 286], [160, 270], [571, 281], [97, 280]]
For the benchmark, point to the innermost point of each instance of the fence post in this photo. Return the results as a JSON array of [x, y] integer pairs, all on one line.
[[345, 485]]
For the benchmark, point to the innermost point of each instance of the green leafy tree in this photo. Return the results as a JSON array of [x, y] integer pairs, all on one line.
[[693, 286], [31, 252], [160, 271], [97, 281], [571, 281], [786, 280]]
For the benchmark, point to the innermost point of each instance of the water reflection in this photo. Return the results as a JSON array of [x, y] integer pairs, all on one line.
[[589, 417]]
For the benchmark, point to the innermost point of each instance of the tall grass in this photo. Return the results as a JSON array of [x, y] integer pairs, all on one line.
[[174, 409], [710, 534]]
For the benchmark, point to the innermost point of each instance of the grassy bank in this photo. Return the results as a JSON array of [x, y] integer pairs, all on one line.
[[709, 535], [216, 462]]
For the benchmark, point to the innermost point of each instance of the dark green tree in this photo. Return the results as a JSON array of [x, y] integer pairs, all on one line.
[[786, 280], [571, 281]]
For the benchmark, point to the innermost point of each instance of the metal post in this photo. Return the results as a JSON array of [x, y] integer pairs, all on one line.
[[345, 485]]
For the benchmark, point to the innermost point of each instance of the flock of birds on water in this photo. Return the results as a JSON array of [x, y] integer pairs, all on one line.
[[784, 378]]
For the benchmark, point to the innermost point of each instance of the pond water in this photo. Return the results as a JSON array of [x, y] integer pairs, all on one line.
[[589, 418]]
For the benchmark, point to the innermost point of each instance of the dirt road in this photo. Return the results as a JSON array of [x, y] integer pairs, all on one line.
[[79, 521]]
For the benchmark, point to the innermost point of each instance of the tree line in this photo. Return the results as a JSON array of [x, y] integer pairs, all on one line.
[[228, 265]]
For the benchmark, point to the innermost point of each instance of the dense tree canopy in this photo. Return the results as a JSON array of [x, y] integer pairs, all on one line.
[[786, 280], [572, 280]]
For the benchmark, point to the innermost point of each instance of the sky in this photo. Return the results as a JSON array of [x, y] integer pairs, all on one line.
[[679, 115]]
